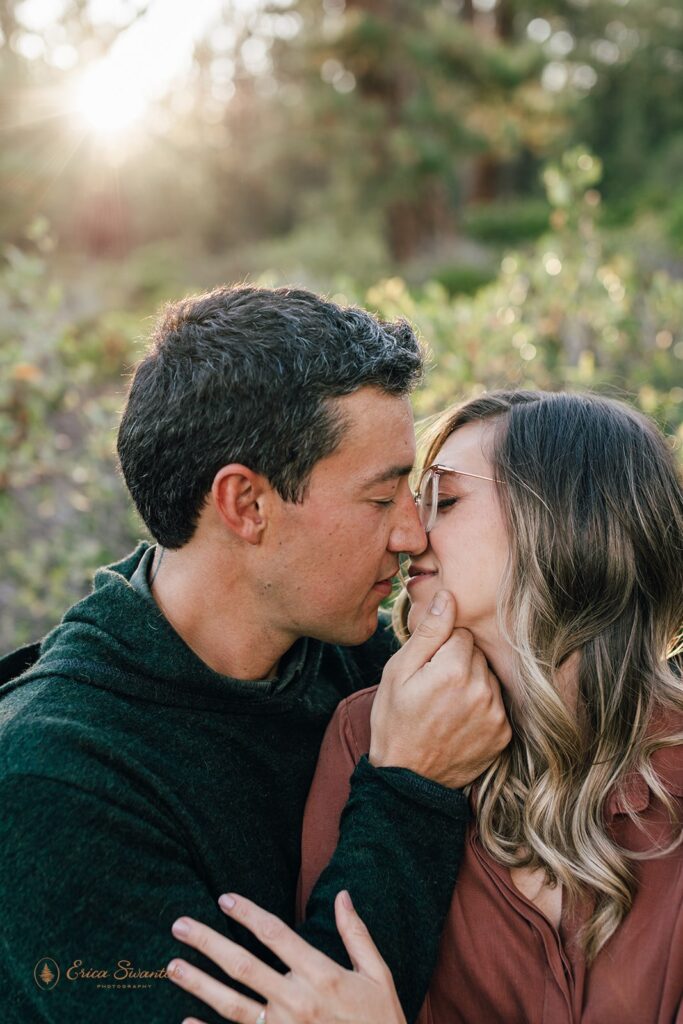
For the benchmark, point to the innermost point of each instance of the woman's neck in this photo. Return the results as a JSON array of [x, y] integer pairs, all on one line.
[[503, 663]]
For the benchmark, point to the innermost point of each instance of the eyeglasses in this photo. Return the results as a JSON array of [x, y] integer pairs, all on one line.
[[427, 495]]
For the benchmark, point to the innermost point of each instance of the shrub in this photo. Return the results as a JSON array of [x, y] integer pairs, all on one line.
[[64, 509], [463, 278], [507, 222]]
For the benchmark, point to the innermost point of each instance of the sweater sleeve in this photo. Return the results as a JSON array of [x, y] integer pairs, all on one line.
[[88, 885], [396, 844]]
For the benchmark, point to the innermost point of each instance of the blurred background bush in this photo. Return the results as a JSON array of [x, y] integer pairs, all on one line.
[[507, 175]]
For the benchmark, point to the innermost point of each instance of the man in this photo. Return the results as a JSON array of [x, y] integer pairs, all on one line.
[[160, 751]]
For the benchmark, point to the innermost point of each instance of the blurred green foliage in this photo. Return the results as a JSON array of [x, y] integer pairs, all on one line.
[[574, 308], [507, 221], [62, 506], [463, 279]]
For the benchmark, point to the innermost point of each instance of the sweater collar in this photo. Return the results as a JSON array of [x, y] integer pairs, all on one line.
[[634, 794], [118, 638]]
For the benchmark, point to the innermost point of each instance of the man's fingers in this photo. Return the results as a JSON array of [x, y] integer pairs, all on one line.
[[433, 631], [457, 655], [363, 952]]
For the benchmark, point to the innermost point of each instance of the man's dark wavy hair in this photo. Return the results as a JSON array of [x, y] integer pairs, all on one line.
[[248, 375]]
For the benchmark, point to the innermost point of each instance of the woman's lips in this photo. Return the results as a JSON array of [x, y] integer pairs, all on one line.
[[415, 578]]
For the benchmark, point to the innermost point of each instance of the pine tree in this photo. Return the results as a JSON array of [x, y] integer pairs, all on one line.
[[46, 975]]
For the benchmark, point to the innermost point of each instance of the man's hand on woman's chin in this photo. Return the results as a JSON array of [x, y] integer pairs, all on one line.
[[316, 990], [438, 710]]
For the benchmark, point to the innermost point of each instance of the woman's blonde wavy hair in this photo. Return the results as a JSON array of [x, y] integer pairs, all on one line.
[[594, 512]]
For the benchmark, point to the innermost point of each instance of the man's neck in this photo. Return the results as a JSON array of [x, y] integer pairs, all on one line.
[[214, 613]]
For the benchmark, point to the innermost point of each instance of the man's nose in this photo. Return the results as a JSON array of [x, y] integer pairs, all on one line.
[[408, 535]]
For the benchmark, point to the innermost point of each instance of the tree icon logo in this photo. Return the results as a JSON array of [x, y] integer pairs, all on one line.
[[46, 973]]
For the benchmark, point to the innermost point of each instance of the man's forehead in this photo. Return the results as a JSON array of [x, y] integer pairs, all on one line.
[[385, 455], [378, 440], [371, 411], [394, 472]]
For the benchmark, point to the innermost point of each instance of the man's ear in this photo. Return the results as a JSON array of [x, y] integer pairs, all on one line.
[[238, 495]]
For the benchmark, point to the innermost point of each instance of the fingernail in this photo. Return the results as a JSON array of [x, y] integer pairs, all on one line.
[[174, 969], [438, 605], [226, 902], [346, 899], [180, 928]]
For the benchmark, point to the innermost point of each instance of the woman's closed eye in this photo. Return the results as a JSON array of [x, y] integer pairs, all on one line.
[[445, 502]]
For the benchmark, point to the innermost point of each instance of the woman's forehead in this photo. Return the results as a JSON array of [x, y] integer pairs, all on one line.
[[467, 447]]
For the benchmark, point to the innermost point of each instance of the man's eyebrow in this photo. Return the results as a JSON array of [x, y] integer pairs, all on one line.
[[393, 473]]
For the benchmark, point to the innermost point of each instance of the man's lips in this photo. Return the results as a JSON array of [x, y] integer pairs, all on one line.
[[385, 585]]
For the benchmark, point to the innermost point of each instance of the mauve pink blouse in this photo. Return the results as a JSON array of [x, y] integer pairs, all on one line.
[[501, 961]]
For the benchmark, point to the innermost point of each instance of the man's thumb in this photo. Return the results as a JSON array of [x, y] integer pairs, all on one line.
[[431, 634]]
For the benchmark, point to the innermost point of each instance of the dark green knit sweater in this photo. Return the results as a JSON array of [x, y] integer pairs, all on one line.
[[138, 785]]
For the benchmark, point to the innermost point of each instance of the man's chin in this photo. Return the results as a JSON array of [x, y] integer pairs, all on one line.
[[351, 634], [360, 634]]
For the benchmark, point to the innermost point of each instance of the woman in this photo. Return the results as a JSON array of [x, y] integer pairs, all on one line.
[[557, 522]]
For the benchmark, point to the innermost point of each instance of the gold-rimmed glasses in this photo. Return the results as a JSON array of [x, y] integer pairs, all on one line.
[[427, 494]]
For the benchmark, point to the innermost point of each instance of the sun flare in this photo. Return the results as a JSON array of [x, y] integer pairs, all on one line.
[[107, 103]]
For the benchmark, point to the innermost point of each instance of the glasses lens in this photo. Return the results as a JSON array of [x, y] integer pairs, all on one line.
[[428, 497]]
